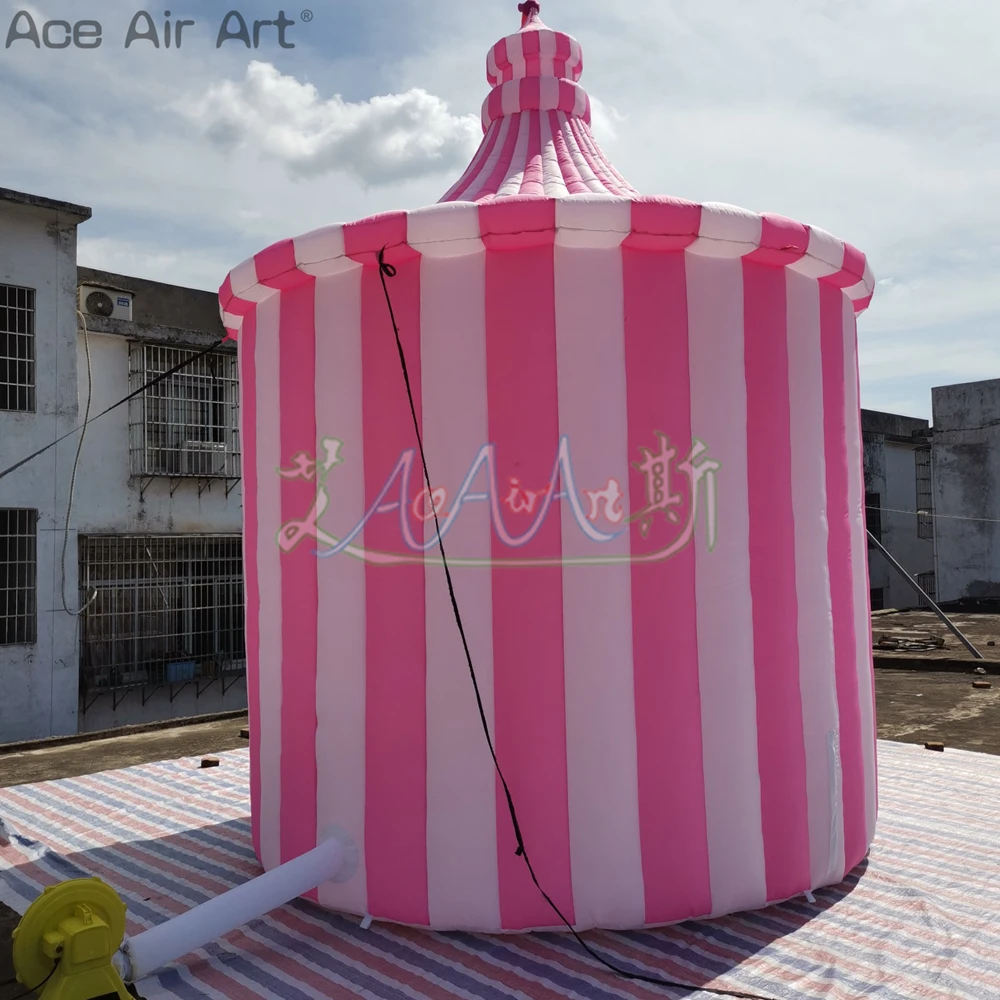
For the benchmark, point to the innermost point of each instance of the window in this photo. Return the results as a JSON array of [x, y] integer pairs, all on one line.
[[926, 583], [17, 348], [877, 599], [925, 498], [188, 424], [873, 515], [160, 609], [18, 554]]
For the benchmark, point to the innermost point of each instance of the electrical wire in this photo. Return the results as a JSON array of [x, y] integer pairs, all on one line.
[[931, 514], [114, 406], [388, 271], [31, 992], [76, 465]]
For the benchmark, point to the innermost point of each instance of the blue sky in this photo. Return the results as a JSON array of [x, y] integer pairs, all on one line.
[[877, 120]]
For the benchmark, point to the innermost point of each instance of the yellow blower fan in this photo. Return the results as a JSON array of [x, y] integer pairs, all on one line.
[[65, 943]]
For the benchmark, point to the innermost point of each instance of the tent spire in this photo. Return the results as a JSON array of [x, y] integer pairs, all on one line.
[[530, 11]]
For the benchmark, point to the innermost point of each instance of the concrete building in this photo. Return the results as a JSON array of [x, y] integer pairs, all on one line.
[[121, 599], [897, 468], [966, 490], [38, 404], [158, 507]]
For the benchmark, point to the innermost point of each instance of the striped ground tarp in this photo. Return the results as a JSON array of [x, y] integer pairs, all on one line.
[[917, 920]]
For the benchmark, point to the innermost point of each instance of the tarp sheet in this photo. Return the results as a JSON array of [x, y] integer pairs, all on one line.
[[917, 919]]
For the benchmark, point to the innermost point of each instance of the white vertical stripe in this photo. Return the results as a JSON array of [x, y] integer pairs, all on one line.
[[725, 623], [515, 54], [462, 881], [859, 548], [553, 180], [576, 154], [486, 171], [510, 97], [817, 663], [547, 52], [515, 171], [269, 459], [341, 632], [602, 767], [548, 93]]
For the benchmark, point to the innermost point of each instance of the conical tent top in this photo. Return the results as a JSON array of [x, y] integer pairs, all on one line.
[[536, 121]]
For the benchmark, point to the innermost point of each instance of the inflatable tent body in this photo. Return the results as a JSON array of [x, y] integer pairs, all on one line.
[[641, 424]]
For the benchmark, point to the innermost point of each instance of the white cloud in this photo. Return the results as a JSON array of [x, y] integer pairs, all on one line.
[[874, 119], [190, 269], [380, 141]]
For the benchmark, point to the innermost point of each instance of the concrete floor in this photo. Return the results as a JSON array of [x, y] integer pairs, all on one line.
[[73, 759], [979, 628], [913, 707], [919, 707]]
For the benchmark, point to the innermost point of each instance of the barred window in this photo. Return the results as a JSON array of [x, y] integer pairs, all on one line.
[[925, 581], [160, 609], [17, 348], [187, 424], [18, 555], [925, 497], [873, 515]]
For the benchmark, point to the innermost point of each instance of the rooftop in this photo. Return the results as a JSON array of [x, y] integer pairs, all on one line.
[[78, 212]]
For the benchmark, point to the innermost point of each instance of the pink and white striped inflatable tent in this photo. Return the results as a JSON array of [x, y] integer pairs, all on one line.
[[641, 420]]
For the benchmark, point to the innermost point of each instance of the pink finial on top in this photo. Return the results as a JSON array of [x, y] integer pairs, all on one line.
[[536, 122], [530, 10]]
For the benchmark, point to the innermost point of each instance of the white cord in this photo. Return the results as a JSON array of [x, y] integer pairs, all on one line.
[[76, 465]]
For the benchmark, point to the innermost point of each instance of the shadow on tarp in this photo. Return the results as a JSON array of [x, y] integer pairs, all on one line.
[[161, 877]]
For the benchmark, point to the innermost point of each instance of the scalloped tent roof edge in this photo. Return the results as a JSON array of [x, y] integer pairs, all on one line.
[[455, 229]]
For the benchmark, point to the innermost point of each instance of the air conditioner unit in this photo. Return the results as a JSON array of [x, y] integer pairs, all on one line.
[[110, 303], [203, 458]]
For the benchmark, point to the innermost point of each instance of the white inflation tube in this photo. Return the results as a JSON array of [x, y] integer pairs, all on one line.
[[334, 860]]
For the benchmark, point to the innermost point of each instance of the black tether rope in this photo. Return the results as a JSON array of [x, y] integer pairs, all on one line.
[[113, 406], [388, 271]]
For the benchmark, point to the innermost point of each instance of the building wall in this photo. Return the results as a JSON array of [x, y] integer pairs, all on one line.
[[966, 465], [891, 442], [187, 702], [110, 501], [38, 683], [107, 498]]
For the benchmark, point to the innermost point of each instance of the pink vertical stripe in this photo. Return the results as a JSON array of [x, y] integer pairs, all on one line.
[[461, 782], [859, 561], [251, 530], [597, 605], [664, 620], [841, 571], [395, 711], [299, 600], [722, 583], [780, 740], [817, 672], [270, 570], [527, 607], [340, 626]]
